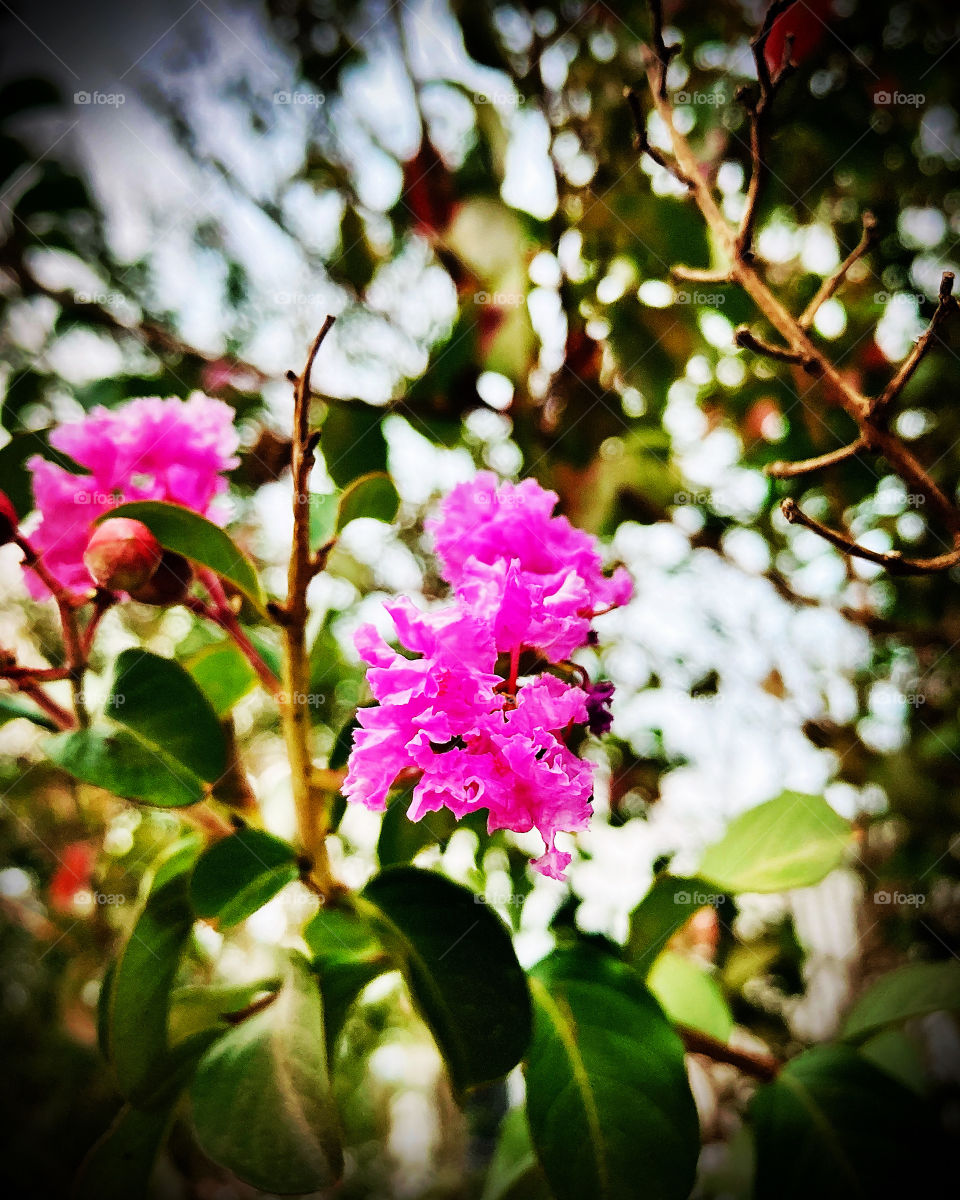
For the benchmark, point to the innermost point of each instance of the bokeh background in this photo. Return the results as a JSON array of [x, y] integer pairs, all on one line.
[[187, 189]]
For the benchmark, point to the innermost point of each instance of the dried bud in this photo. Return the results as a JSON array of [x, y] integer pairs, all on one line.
[[169, 584], [8, 520], [122, 554]]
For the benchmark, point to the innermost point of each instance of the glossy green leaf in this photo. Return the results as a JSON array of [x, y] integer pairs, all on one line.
[[910, 991], [123, 763], [690, 995], [239, 874], [790, 842], [139, 1001], [352, 441], [347, 955], [193, 536], [666, 908], [401, 839], [261, 1097], [608, 1103], [834, 1126], [222, 674], [459, 964], [373, 495], [323, 517], [159, 700]]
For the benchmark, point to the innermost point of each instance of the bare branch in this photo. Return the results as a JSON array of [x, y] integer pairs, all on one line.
[[789, 470], [701, 274], [894, 562], [744, 338], [947, 304], [830, 284], [663, 52], [642, 143]]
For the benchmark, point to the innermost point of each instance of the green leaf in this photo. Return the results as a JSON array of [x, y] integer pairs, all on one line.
[[690, 995], [222, 674], [187, 533], [159, 700], [352, 441], [667, 906], [239, 874], [608, 1103], [194, 1009], [834, 1126], [910, 991], [347, 956], [372, 495], [459, 964], [262, 1105], [12, 707], [123, 763], [514, 1172], [401, 839], [121, 1163], [323, 517], [139, 1001], [790, 842]]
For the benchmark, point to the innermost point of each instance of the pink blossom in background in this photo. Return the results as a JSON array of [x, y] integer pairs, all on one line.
[[475, 738], [149, 449]]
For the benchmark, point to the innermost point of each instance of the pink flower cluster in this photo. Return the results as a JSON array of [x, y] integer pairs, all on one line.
[[148, 449], [523, 580]]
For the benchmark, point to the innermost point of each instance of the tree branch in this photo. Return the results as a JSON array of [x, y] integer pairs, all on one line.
[[789, 470], [310, 798], [758, 1066], [832, 282], [946, 304]]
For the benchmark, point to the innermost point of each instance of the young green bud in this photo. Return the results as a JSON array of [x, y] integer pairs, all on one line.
[[122, 555]]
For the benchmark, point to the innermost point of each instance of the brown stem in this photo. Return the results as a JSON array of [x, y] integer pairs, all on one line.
[[223, 615], [789, 470], [66, 606], [758, 1066], [832, 282], [748, 340], [893, 560], [945, 306], [310, 798]]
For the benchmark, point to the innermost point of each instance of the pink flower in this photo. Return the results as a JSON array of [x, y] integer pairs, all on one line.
[[509, 558], [148, 449], [446, 717]]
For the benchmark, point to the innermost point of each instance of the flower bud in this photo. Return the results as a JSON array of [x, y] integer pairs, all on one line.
[[122, 555], [169, 584]]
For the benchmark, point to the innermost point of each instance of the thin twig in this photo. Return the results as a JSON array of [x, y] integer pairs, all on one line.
[[946, 304], [642, 143], [893, 560], [789, 470], [758, 1066], [832, 282], [747, 340], [701, 274]]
